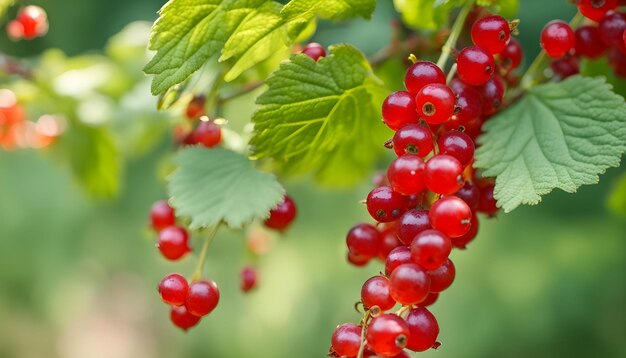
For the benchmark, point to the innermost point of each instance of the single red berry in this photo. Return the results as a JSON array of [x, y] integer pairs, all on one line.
[[399, 110], [375, 292], [409, 284], [387, 335], [398, 256], [423, 73], [389, 241], [595, 9], [493, 94], [195, 108], [462, 241], [565, 67], [15, 30], [413, 139], [202, 298], [363, 240], [430, 299], [314, 51], [173, 289], [491, 33], [412, 223], [415, 200], [34, 21], [249, 278], [458, 145], [435, 103], [173, 242], [442, 277], [450, 215], [612, 29], [488, 204], [346, 340], [617, 61], [282, 215], [181, 318], [207, 134], [511, 57], [475, 65], [423, 328], [385, 205], [557, 38], [430, 249], [469, 105], [589, 42], [357, 260], [162, 215], [405, 174], [470, 194], [444, 174]]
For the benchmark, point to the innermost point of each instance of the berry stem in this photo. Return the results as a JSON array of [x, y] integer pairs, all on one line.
[[197, 275], [451, 73], [364, 323], [446, 50]]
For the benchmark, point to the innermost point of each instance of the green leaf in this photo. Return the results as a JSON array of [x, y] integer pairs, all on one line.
[[617, 198], [190, 32], [322, 116], [426, 14], [214, 185], [5, 5], [600, 67], [329, 9], [560, 135]]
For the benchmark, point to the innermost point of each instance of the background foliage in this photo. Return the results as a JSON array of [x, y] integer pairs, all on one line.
[[77, 277]]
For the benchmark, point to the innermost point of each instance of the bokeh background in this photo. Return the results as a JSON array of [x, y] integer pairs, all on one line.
[[78, 276]]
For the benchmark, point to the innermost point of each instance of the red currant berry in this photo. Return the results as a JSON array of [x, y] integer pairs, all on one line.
[[249, 279], [430, 299], [385, 205], [15, 30], [314, 51], [565, 67], [430, 249], [389, 241], [399, 256], [409, 284], [173, 289], [415, 200], [405, 174], [511, 57], [589, 42], [423, 329], [442, 278], [363, 240], [435, 103], [475, 65], [357, 260], [162, 215], [451, 216], [458, 145], [462, 241], [557, 38], [612, 29], [375, 292], [173, 242], [469, 104], [387, 335], [470, 194], [493, 94], [282, 215], [491, 33], [595, 9], [413, 139], [423, 73], [195, 108], [412, 223], [617, 61], [444, 174], [202, 298], [346, 340], [488, 204], [182, 319], [399, 110], [207, 134], [34, 21]]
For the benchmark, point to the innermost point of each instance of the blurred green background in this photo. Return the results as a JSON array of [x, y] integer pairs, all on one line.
[[78, 277]]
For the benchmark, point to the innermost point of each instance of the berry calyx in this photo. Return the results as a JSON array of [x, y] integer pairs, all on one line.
[[385, 205], [443, 174], [435, 103], [282, 215], [423, 73], [413, 139], [450, 215], [162, 215], [173, 289], [475, 65], [181, 318], [405, 174], [557, 38], [202, 298], [346, 340], [399, 110], [314, 50], [173, 242], [491, 33], [409, 284], [430, 249], [387, 335], [423, 329], [375, 293]]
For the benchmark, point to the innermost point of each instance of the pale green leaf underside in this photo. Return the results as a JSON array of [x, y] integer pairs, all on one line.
[[560, 135], [322, 117], [215, 185]]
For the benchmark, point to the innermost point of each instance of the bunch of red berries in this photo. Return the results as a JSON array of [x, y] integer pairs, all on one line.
[[31, 22], [204, 132], [604, 35], [428, 202]]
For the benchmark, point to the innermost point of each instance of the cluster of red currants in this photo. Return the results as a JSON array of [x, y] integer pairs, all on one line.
[[428, 201], [31, 22], [604, 35]]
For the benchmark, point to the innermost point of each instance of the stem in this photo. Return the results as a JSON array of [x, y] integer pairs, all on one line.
[[451, 74], [446, 50], [363, 332], [197, 275], [247, 88]]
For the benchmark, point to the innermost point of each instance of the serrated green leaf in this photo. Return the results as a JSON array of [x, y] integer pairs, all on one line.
[[617, 198], [190, 32], [560, 135], [322, 116], [426, 14], [329, 9], [215, 185]]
